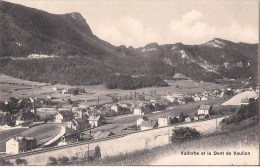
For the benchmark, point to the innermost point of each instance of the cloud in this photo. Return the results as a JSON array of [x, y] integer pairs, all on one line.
[[193, 29], [127, 31]]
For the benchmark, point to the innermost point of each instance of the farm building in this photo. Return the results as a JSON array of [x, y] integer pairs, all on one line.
[[139, 110], [94, 120], [140, 120], [78, 124], [16, 145], [164, 121], [204, 109], [64, 116], [150, 124]]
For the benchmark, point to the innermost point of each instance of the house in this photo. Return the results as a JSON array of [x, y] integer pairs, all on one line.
[[204, 109], [150, 124], [83, 105], [102, 134], [115, 107], [204, 98], [49, 97], [188, 119], [94, 120], [181, 101], [237, 91], [15, 145], [202, 116], [164, 121], [179, 76], [196, 118], [80, 113], [24, 118], [176, 117], [170, 98], [78, 124], [64, 116], [64, 91], [140, 120], [139, 110], [246, 101], [197, 98]]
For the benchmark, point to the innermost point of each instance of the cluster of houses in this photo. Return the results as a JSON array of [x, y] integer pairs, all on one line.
[[78, 120], [72, 91], [143, 123], [179, 98]]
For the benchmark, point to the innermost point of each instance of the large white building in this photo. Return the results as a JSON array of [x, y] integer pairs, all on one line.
[[204, 110], [16, 145], [164, 121], [139, 110]]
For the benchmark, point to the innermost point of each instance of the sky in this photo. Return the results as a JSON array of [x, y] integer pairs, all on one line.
[[140, 22]]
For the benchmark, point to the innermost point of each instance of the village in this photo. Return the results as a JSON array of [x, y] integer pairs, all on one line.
[[71, 121]]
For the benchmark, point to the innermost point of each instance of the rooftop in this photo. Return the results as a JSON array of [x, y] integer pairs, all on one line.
[[204, 107]]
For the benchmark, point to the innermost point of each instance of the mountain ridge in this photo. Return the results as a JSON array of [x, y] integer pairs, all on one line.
[[26, 31]]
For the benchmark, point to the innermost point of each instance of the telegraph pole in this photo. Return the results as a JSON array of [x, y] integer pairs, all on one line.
[[88, 152], [216, 124]]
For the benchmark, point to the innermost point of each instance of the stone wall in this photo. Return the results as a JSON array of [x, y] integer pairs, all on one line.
[[130, 143]]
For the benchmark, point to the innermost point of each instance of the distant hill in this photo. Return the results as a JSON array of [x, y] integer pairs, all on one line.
[[215, 59], [83, 58], [26, 31]]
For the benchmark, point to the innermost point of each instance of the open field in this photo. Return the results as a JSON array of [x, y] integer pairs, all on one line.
[[242, 139], [10, 86], [42, 133]]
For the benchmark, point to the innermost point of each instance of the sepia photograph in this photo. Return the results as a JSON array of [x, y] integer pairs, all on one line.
[[129, 82]]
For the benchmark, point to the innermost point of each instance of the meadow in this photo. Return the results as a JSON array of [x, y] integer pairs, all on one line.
[[13, 87], [245, 137]]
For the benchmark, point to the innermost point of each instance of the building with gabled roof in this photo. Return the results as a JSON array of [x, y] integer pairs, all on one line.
[[140, 120], [204, 109], [78, 124], [150, 124], [15, 145], [138, 110], [94, 120], [164, 121], [64, 116]]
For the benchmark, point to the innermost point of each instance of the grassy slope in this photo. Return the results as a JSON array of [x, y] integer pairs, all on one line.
[[247, 136]]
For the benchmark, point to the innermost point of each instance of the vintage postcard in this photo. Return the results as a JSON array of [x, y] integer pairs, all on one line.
[[129, 82]]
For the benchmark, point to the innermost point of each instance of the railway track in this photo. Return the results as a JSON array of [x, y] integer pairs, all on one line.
[[43, 150]]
